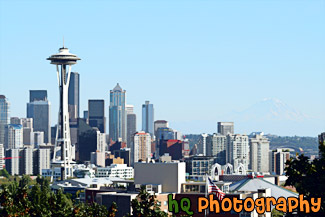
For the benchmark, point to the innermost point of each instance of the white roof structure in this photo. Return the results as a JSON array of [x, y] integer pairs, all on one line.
[[87, 181], [253, 184]]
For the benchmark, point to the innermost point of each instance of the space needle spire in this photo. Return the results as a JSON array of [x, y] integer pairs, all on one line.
[[62, 157]]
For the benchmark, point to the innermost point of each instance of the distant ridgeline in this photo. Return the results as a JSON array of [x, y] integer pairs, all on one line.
[[308, 145]]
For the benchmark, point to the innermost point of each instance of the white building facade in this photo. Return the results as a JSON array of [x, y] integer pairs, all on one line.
[[26, 161], [238, 150], [13, 136], [2, 156], [116, 170], [12, 163], [259, 153]]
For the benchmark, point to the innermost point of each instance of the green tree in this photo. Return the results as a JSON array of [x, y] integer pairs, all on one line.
[[17, 199], [146, 205], [276, 213], [308, 177], [4, 173], [112, 210]]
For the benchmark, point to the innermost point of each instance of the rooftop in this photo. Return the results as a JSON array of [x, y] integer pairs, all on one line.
[[253, 184], [117, 87]]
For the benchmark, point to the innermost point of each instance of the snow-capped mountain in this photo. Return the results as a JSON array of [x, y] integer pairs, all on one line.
[[270, 109]]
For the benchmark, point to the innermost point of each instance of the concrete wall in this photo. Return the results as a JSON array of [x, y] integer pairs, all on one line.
[[169, 175]]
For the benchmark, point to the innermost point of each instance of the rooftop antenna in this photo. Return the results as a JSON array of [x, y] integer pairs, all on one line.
[[63, 41]]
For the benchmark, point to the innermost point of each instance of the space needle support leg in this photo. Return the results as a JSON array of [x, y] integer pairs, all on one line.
[[68, 143]]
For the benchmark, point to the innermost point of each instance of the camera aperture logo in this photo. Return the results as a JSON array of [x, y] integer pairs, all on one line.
[[261, 204]]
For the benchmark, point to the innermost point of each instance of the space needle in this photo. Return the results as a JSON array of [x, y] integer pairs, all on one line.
[[62, 157]]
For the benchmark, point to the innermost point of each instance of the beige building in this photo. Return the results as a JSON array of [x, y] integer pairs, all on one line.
[[141, 147]]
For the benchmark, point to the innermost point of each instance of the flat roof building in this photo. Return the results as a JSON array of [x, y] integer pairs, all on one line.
[[169, 175]]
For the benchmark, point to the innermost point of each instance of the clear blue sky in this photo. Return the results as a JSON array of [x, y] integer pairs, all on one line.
[[194, 60]]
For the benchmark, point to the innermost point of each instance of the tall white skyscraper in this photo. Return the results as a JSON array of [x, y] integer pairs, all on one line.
[[28, 131], [141, 147], [13, 136], [4, 116], [148, 118], [203, 147], [101, 142], [117, 114], [259, 153], [238, 150]]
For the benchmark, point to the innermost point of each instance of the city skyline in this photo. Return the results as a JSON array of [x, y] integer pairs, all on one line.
[[266, 62]]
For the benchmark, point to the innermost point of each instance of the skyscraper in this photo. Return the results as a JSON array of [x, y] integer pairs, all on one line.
[[39, 109], [15, 120], [26, 161], [277, 160], [163, 133], [202, 145], [160, 124], [237, 150], [117, 114], [259, 153], [225, 128], [131, 124], [41, 160], [13, 136], [38, 138], [87, 140], [141, 147], [37, 95], [148, 118], [28, 131], [4, 116], [216, 146], [73, 95], [96, 115]]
